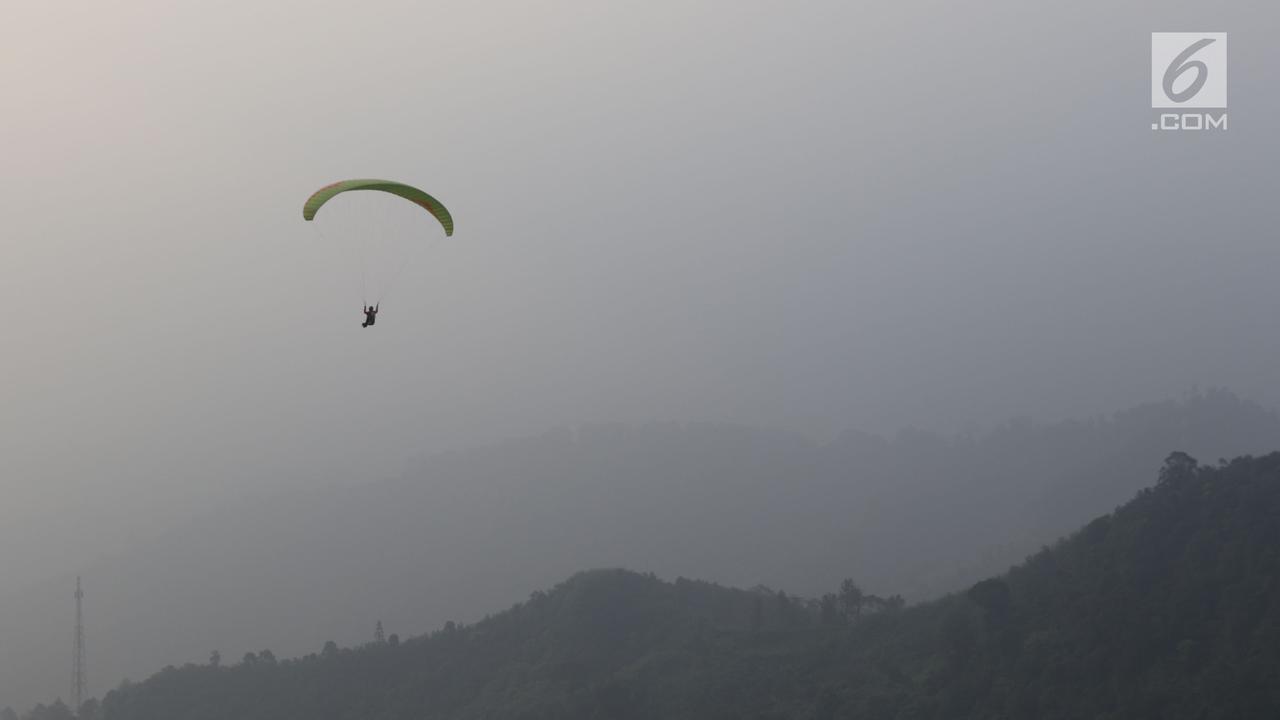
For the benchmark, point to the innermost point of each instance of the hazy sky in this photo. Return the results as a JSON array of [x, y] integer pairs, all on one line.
[[812, 215]]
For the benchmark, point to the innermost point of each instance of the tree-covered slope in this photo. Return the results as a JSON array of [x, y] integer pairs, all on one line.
[[1167, 608], [465, 534]]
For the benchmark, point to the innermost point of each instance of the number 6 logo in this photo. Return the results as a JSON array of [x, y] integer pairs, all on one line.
[[1189, 70], [1180, 65]]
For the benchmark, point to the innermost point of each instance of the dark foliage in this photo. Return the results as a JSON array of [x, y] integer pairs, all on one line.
[[1168, 608]]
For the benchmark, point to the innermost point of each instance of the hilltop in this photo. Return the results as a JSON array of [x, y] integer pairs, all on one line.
[[466, 533], [1165, 608]]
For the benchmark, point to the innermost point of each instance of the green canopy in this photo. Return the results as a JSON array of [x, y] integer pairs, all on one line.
[[408, 192]]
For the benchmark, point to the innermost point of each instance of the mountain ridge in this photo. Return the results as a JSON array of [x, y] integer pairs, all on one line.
[[1164, 608], [915, 514]]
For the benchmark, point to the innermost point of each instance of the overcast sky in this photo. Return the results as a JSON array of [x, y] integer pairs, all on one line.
[[811, 215]]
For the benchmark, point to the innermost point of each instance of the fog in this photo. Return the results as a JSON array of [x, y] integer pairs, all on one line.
[[806, 216]]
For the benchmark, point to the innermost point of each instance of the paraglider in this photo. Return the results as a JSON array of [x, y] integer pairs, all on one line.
[[374, 224], [408, 192]]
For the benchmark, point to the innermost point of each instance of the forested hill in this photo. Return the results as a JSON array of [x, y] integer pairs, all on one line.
[[1167, 608], [468, 533]]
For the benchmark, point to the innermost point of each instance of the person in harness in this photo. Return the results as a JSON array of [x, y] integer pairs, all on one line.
[[370, 315]]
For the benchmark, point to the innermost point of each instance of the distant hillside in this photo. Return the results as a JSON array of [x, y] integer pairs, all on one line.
[[1167, 608], [466, 533]]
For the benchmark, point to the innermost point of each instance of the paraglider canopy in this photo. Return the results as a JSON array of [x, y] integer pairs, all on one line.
[[377, 230], [408, 192]]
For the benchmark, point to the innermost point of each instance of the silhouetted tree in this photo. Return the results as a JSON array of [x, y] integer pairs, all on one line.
[[1179, 466], [851, 599]]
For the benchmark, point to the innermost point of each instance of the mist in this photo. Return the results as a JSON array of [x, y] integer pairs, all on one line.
[[812, 218]]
